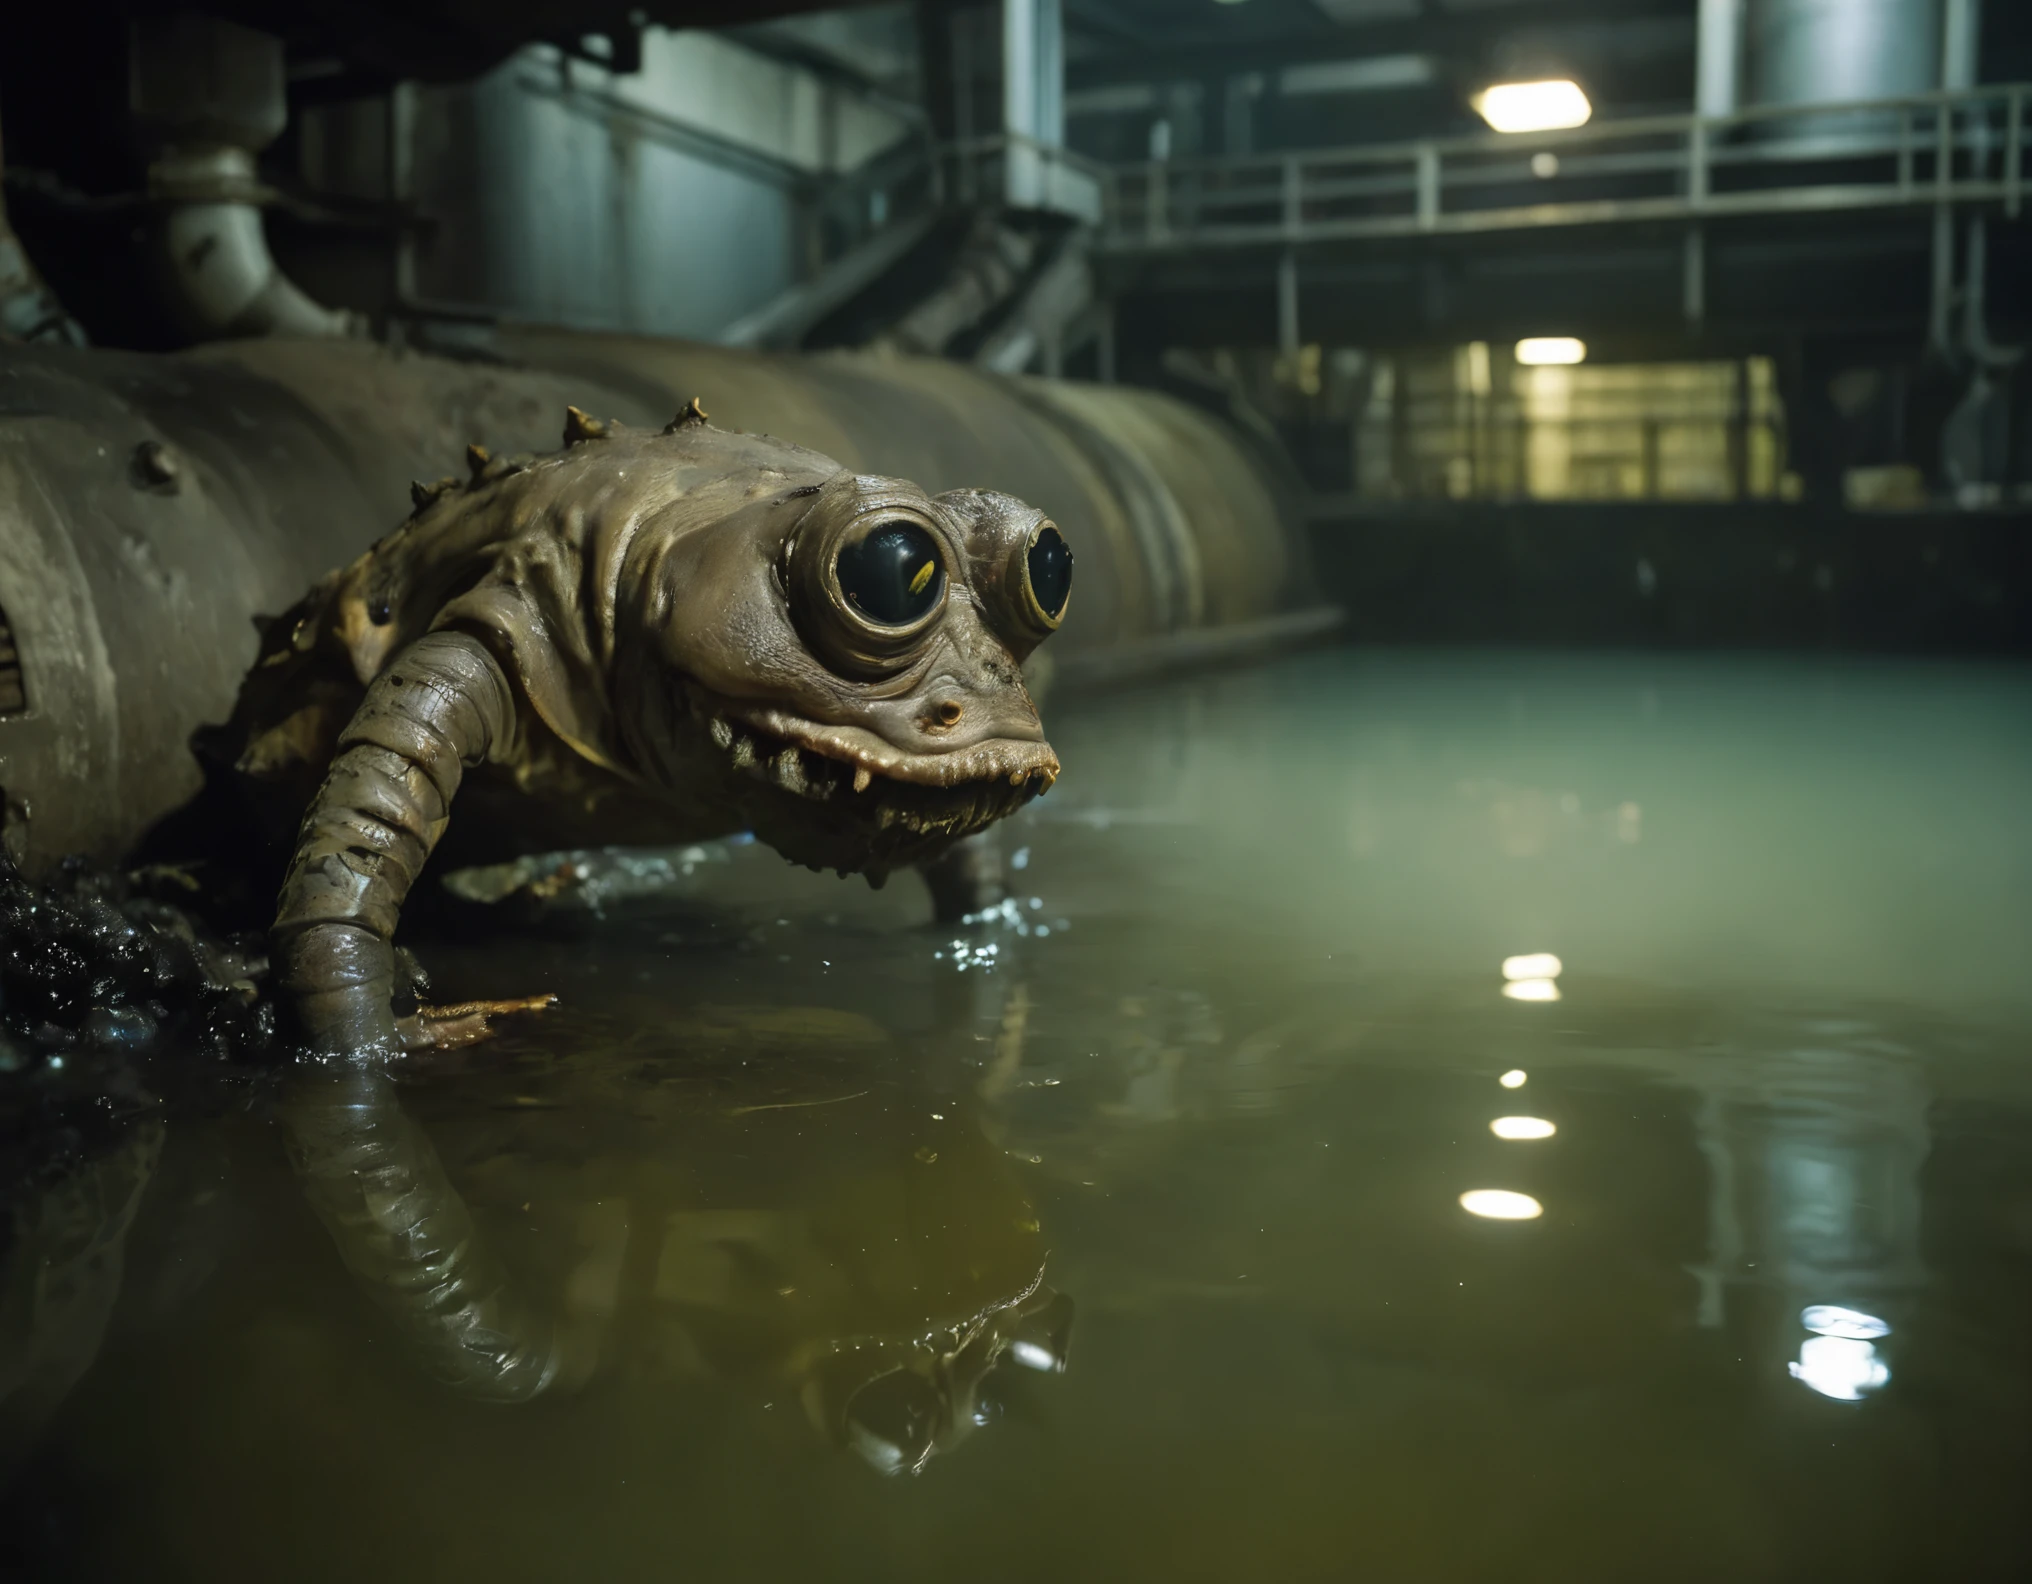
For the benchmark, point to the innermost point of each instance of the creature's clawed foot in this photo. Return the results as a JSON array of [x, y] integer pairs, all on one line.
[[438, 1028], [966, 878]]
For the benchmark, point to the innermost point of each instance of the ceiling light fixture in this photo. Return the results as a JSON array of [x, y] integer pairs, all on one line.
[[1541, 351], [1534, 106]]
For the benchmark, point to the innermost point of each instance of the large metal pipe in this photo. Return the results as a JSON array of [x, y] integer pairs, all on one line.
[[152, 507]]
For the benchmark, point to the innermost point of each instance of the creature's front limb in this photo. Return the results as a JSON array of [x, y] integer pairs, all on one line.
[[966, 877], [442, 705]]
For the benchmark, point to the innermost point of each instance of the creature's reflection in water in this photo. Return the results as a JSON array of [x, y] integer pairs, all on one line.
[[861, 1254], [407, 1236]]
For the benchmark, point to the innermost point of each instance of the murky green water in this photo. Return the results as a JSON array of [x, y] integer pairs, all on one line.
[[1225, 1074]]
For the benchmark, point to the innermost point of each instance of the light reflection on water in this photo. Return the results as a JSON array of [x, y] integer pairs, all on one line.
[[1501, 1204], [791, 1175]]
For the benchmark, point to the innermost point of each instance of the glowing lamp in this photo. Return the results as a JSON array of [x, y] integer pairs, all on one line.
[[1534, 106], [1544, 351]]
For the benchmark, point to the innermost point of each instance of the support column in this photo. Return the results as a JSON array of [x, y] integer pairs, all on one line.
[[1960, 44], [1287, 302], [1940, 315], [1693, 277], [1718, 72], [1033, 97]]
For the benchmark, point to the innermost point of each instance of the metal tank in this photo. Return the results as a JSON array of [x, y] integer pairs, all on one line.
[[1831, 51], [1809, 52], [153, 507]]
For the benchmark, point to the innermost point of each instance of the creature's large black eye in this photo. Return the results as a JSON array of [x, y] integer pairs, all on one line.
[[891, 1421], [1050, 565], [892, 573]]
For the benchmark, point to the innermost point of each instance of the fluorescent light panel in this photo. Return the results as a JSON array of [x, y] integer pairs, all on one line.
[[1534, 106], [1542, 351], [1366, 75]]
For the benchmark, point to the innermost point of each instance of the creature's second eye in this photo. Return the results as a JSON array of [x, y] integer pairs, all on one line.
[[892, 573], [1050, 567]]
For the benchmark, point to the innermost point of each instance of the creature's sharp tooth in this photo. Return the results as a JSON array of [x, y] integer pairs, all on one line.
[[743, 752], [790, 771], [885, 816], [1015, 777], [722, 733], [862, 778]]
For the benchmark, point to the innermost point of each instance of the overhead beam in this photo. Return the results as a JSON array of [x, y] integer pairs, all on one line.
[[1196, 52]]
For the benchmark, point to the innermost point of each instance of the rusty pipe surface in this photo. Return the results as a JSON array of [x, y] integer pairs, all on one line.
[[153, 507]]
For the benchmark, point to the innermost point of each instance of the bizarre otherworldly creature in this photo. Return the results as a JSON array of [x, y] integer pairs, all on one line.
[[641, 638]]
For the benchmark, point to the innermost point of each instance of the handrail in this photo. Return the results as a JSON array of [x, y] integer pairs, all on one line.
[[1593, 132], [1937, 149]]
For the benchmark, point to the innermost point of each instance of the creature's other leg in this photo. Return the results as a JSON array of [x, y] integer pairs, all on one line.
[[966, 877], [442, 705]]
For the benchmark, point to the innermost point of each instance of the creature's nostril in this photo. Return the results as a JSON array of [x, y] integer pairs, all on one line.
[[949, 713]]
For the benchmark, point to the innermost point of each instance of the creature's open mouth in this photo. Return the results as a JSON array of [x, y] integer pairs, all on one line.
[[869, 780]]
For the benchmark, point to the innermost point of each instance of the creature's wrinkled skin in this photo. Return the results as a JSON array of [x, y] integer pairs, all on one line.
[[643, 638]]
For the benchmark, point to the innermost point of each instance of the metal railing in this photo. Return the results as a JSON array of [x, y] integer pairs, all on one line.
[[1941, 150]]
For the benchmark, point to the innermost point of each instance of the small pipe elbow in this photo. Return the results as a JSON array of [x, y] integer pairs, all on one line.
[[218, 273]]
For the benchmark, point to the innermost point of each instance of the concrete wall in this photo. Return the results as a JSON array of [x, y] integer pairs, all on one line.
[[1738, 575]]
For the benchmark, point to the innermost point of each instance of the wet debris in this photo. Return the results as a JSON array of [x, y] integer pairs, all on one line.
[[102, 964]]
